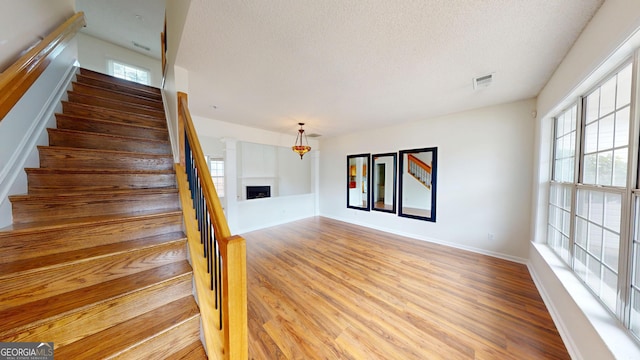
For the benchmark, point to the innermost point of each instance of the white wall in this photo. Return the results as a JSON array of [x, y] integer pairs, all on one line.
[[212, 146], [24, 127], [588, 330], [484, 177], [294, 174], [249, 215], [94, 54], [24, 23]]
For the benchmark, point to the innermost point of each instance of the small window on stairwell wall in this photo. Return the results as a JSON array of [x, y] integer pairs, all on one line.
[[129, 72]]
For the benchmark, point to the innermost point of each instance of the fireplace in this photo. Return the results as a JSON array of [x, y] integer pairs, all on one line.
[[257, 192]]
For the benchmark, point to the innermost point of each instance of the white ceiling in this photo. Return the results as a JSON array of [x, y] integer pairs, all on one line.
[[340, 66], [124, 22], [343, 65]]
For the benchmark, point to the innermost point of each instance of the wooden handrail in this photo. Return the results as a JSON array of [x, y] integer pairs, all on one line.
[[419, 162], [18, 78], [210, 194], [223, 266], [163, 48]]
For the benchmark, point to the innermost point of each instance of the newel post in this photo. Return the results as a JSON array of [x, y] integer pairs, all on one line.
[[235, 298]]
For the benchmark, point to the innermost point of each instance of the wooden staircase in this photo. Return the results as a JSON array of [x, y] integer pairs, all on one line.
[[96, 260]]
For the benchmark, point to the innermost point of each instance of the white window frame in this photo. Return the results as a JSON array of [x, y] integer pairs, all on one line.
[[111, 66], [628, 194], [217, 179]]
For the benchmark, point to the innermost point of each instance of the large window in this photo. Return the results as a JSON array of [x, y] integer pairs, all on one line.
[[587, 212]]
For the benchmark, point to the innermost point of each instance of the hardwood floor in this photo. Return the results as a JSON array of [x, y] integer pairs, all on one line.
[[324, 289]]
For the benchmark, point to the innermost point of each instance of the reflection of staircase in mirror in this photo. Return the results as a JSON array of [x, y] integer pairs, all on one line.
[[419, 170]]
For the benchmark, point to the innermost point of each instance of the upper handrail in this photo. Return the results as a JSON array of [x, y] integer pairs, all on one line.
[[419, 162], [18, 78]]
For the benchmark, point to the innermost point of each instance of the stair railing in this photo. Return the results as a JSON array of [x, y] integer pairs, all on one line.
[[419, 170], [18, 78], [218, 258]]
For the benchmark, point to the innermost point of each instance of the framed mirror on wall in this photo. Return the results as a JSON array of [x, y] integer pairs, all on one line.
[[358, 181], [418, 175], [383, 182]]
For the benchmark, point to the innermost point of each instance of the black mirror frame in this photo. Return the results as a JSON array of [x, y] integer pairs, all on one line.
[[368, 182], [434, 177], [394, 171]]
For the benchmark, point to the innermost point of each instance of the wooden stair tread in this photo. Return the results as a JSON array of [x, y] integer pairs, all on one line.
[[49, 237], [52, 157], [121, 337], [106, 136], [75, 324], [96, 171], [38, 207], [105, 83], [195, 351], [47, 308], [115, 80], [72, 157], [97, 112], [107, 141], [97, 195], [83, 219], [105, 152], [98, 126], [86, 254], [44, 283], [43, 226], [160, 126], [115, 94], [106, 102], [67, 180]]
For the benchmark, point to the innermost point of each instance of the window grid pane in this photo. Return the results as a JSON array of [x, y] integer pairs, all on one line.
[[560, 219], [597, 243], [565, 145], [606, 133], [634, 321]]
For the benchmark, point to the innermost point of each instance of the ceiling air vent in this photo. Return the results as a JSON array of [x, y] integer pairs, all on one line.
[[141, 46], [314, 135], [482, 82]]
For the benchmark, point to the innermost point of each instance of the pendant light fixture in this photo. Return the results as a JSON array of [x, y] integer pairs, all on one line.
[[298, 147]]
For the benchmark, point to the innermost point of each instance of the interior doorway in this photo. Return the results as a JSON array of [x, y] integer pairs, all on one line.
[[380, 169]]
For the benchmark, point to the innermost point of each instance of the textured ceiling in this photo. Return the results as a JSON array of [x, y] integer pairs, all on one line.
[[344, 65], [124, 22]]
